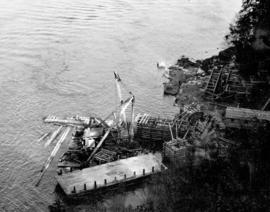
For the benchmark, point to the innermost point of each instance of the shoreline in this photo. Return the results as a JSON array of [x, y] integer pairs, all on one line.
[[187, 78]]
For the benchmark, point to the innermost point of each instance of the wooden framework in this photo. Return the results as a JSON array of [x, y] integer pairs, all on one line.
[[175, 152]]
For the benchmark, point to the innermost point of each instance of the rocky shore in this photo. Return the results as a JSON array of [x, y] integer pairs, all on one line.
[[188, 78]]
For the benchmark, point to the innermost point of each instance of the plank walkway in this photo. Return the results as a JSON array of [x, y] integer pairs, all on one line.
[[109, 174], [245, 113]]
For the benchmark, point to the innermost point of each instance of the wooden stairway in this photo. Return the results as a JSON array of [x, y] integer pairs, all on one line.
[[212, 85]]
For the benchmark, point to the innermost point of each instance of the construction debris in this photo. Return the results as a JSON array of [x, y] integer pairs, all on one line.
[[195, 134]]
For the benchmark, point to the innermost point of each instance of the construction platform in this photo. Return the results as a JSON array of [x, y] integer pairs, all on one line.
[[109, 174]]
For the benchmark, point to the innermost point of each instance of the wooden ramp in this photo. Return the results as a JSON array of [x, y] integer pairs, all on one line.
[[213, 82], [88, 179]]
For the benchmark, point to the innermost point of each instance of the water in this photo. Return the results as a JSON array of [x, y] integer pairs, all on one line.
[[58, 57]]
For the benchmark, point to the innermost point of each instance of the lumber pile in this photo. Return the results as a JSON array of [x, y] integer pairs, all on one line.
[[105, 156], [153, 129], [245, 118], [176, 152]]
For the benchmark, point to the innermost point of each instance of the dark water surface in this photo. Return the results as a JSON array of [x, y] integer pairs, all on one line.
[[58, 57]]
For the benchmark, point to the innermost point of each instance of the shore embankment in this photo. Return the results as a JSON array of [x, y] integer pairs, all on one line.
[[188, 77]]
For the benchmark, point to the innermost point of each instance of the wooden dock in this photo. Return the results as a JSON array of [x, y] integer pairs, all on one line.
[[246, 114], [245, 118], [109, 174]]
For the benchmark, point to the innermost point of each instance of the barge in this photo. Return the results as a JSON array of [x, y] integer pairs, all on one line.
[[104, 152], [109, 174]]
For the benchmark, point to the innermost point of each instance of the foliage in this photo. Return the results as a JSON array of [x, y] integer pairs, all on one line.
[[255, 14]]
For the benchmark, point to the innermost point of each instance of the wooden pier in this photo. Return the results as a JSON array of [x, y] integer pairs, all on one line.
[[109, 174], [245, 118]]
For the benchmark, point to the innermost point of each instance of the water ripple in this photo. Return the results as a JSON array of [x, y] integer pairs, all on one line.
[[58, 57]]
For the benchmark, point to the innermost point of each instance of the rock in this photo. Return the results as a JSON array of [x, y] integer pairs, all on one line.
[[200, 72], [224, 57], [175, 67], [171, 89], [176, 78], [227, 54], [185, 62]]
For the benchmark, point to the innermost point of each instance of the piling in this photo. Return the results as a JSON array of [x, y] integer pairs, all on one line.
[[95, 185], [143, 172], [84, 187], [105, 182], [74, 190]]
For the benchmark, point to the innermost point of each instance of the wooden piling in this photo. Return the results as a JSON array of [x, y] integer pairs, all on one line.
[[95, 185], [105, 182], [74, 190], [143, 172], [153, 169], [84, 187]]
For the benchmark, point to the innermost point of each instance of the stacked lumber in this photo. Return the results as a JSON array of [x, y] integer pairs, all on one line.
[[244, 113], [153, 129], [175, 152], [245, 118], [105, 156]]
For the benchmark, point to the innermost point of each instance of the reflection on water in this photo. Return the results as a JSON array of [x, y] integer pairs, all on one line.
[[58, 57]]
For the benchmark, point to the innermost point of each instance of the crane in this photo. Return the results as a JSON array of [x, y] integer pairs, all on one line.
[[119, 115]]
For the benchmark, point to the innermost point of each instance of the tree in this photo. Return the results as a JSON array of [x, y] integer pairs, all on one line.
[[250, 35]]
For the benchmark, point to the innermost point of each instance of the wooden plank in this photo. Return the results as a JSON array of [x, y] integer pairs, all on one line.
[[266, 104], [55, 150], [121, 170], [244, 113]]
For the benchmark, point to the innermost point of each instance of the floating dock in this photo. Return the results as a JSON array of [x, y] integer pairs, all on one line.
[[109, 174]]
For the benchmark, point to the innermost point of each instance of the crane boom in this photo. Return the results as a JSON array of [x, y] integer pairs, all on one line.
[[117, 83], [99, 144]]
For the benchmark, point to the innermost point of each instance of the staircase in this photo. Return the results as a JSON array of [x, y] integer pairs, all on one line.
[[211, 88]]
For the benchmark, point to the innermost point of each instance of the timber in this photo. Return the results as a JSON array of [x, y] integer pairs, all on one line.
[[247, 114]]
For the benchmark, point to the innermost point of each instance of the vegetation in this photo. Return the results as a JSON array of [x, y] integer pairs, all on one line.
[[245, 34], [238, 182]]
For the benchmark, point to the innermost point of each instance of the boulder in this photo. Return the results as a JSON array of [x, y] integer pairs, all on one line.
[[171, 88]]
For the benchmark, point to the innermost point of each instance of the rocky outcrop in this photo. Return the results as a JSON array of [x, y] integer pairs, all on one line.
[[224, 57], [184, 70], [192, 72]]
